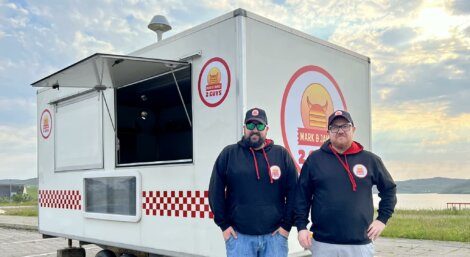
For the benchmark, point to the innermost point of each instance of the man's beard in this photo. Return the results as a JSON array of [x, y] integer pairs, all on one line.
[[254, 144]]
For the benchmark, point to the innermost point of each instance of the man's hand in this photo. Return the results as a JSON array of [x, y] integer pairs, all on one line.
[[281, 231], [375, 229], [229, 232], [305, 238]]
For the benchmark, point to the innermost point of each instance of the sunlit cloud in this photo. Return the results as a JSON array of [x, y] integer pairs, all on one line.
[[419, 50]]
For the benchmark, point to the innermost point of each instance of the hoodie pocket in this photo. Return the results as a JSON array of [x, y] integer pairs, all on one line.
[[257, 218]]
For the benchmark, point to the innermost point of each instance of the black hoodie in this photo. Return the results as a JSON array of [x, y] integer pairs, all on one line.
[[341, 200], [244, 194]]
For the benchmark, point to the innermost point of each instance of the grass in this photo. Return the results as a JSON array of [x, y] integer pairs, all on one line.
[[444, 225], [28, 203], [22, 211], [32, 191]]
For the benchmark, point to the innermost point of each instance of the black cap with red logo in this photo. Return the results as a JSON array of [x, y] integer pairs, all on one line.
[[339, 113], [256, 114]]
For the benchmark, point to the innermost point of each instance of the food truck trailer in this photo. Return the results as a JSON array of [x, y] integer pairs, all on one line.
[[126, 143]]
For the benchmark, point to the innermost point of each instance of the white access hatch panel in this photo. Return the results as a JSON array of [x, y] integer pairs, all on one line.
[[79, 136]]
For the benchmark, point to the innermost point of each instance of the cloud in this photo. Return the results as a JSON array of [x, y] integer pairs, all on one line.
[[17, 111], [86, 45], [420, 140], [397, 36], [421, 129], [420, 52], [459, 7], [424, 169], [17, 152]]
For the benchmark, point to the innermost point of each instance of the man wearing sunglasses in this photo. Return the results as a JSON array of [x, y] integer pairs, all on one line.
[[335, 184], [251, 192]]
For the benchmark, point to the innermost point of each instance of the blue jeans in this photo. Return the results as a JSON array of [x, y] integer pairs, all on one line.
[[257, 246]]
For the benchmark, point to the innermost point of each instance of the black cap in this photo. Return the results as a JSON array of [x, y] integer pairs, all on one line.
[[339, 113], [256, 114]]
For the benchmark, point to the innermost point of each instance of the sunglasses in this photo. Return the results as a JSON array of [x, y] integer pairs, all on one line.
[[259, 126]]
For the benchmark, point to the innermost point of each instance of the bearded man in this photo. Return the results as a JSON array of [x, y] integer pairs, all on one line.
[[251, 192]]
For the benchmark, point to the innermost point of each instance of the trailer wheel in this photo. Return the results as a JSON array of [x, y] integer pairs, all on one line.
[[127, 255], [105, 253]]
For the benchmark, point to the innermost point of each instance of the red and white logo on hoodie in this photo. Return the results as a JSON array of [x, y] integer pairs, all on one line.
[[360, 170], [317, 94], [275, 172]]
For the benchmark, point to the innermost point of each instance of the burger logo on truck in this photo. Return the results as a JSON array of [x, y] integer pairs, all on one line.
[[46, 124], [214, 82], [311, 95]]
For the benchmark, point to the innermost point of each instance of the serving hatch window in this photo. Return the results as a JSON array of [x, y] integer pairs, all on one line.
[[154, 120], [79, 136]]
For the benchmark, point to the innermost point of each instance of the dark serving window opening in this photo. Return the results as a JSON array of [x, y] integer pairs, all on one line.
[[154, 120]]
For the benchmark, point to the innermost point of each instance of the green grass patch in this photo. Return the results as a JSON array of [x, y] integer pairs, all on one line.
[[32, 191], [22, 211], [28, 203], [444, 225]]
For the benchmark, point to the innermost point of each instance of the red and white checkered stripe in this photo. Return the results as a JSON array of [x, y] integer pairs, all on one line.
[[60, 199], [187, 204]]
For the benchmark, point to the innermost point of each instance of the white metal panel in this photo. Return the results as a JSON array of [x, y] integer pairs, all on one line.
[[78, 137], [270, 66]]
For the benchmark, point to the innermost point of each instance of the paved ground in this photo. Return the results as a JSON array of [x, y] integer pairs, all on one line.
[[18, 238], [27, 243]]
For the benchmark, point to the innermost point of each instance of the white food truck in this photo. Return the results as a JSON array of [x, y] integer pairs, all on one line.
[[126, 143]]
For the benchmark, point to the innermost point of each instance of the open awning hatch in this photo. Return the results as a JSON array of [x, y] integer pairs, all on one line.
[[109, 71]]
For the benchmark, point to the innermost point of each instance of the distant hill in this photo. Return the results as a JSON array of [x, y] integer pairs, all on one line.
[[29, 182], [437, 185]]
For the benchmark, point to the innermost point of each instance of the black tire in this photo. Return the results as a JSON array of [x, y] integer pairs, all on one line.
[[105, 253]]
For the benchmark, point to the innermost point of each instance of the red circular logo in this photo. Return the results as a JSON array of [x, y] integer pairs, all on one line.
[[46, 124], [311, 95], [214, 82]]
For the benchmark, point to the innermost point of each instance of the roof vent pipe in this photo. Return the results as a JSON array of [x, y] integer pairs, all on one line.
[[160, 25]]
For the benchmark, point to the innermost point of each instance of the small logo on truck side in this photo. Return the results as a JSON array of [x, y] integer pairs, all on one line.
[[317, 94], [46, 124], [214, 82]]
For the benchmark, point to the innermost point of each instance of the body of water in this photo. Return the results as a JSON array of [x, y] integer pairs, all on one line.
[[426, 201]]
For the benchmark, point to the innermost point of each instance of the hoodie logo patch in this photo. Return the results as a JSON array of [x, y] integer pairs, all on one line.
[[275, 172], [360, 170]]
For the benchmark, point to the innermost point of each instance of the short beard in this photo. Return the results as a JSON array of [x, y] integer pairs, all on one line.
[[247, 140]]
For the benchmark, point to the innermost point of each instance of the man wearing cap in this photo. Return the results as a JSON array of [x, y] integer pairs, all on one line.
[[251, 192], [336, 184]]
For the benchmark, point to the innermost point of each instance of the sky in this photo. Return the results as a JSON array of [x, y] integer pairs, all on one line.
[[420, 52]]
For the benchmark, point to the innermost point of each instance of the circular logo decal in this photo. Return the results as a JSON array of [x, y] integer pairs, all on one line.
[[214, 82], [311, 95], [255, 112], [275, 172], [360, 170], [45, 125]]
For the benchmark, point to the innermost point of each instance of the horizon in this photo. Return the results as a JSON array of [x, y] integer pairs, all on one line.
[[395, 180], [419, 50]]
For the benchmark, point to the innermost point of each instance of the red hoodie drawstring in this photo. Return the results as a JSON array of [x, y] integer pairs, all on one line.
[[269, 166], [346, 167], [256, 162]]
